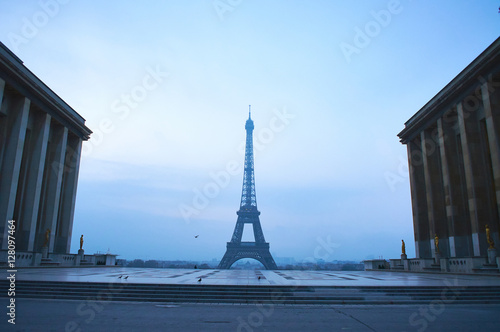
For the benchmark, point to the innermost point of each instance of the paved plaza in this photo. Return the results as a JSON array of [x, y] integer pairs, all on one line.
[[56, 315], [251, 277]]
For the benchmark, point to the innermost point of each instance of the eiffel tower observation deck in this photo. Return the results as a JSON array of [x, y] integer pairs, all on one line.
[[248, 214]]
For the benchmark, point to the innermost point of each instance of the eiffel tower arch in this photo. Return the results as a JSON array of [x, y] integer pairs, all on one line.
[[248, 214]]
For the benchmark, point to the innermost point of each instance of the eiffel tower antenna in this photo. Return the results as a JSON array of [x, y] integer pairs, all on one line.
[[248, 214]]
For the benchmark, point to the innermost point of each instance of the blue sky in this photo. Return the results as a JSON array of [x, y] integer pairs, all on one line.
[[165, 86]]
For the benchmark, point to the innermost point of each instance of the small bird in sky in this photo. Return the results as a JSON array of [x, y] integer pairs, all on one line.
[[120, 276], [199, 280], [259, 278], [196, 236], [126, 278]]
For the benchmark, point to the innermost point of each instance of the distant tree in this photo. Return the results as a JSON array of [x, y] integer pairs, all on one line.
[[352, 267], [136, 263], [151, 263], [121, 262]]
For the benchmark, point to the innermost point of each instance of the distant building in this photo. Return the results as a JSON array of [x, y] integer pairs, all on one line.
[[40, 143], [453, 147]]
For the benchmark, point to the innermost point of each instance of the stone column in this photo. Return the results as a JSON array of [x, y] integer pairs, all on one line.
[[418, 199], [455, 189], [492, 118], [68, 195], [434, 191], [469, 133], [31, 202], [53, 178], [2, 88], [444, 139], [3, 128], [17, 120]]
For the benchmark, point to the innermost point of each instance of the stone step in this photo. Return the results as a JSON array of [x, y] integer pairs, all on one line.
[[308, 301], [261, 290], [48, 262], [201, 289], [432, 269], [248, 298], [86, 263], [268, 287], [198, 289], [251, 294], [243, 292], [486, 269]]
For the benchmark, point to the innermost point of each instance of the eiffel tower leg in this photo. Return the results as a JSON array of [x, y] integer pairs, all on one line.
[[268, 261], [227, 260], [238, 231], [257, 231]]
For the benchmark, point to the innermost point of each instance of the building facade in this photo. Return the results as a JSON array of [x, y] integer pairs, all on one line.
[[453, 146], [40, 143]]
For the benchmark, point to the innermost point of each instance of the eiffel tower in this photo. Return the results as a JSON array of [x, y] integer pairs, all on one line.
[[248, 214]]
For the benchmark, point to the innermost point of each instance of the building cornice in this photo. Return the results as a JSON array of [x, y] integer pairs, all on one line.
[[20, 77], [451, 93]]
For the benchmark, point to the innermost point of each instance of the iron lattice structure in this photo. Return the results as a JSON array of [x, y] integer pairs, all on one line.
[[248, 214]]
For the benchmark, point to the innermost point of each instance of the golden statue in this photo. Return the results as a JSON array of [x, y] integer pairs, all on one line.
[[489, 239], [81, 242], [403, 247], [436, 243], [47, 237]]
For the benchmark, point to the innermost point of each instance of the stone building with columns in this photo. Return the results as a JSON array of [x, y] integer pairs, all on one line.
[[453, 145], [40, 143]]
